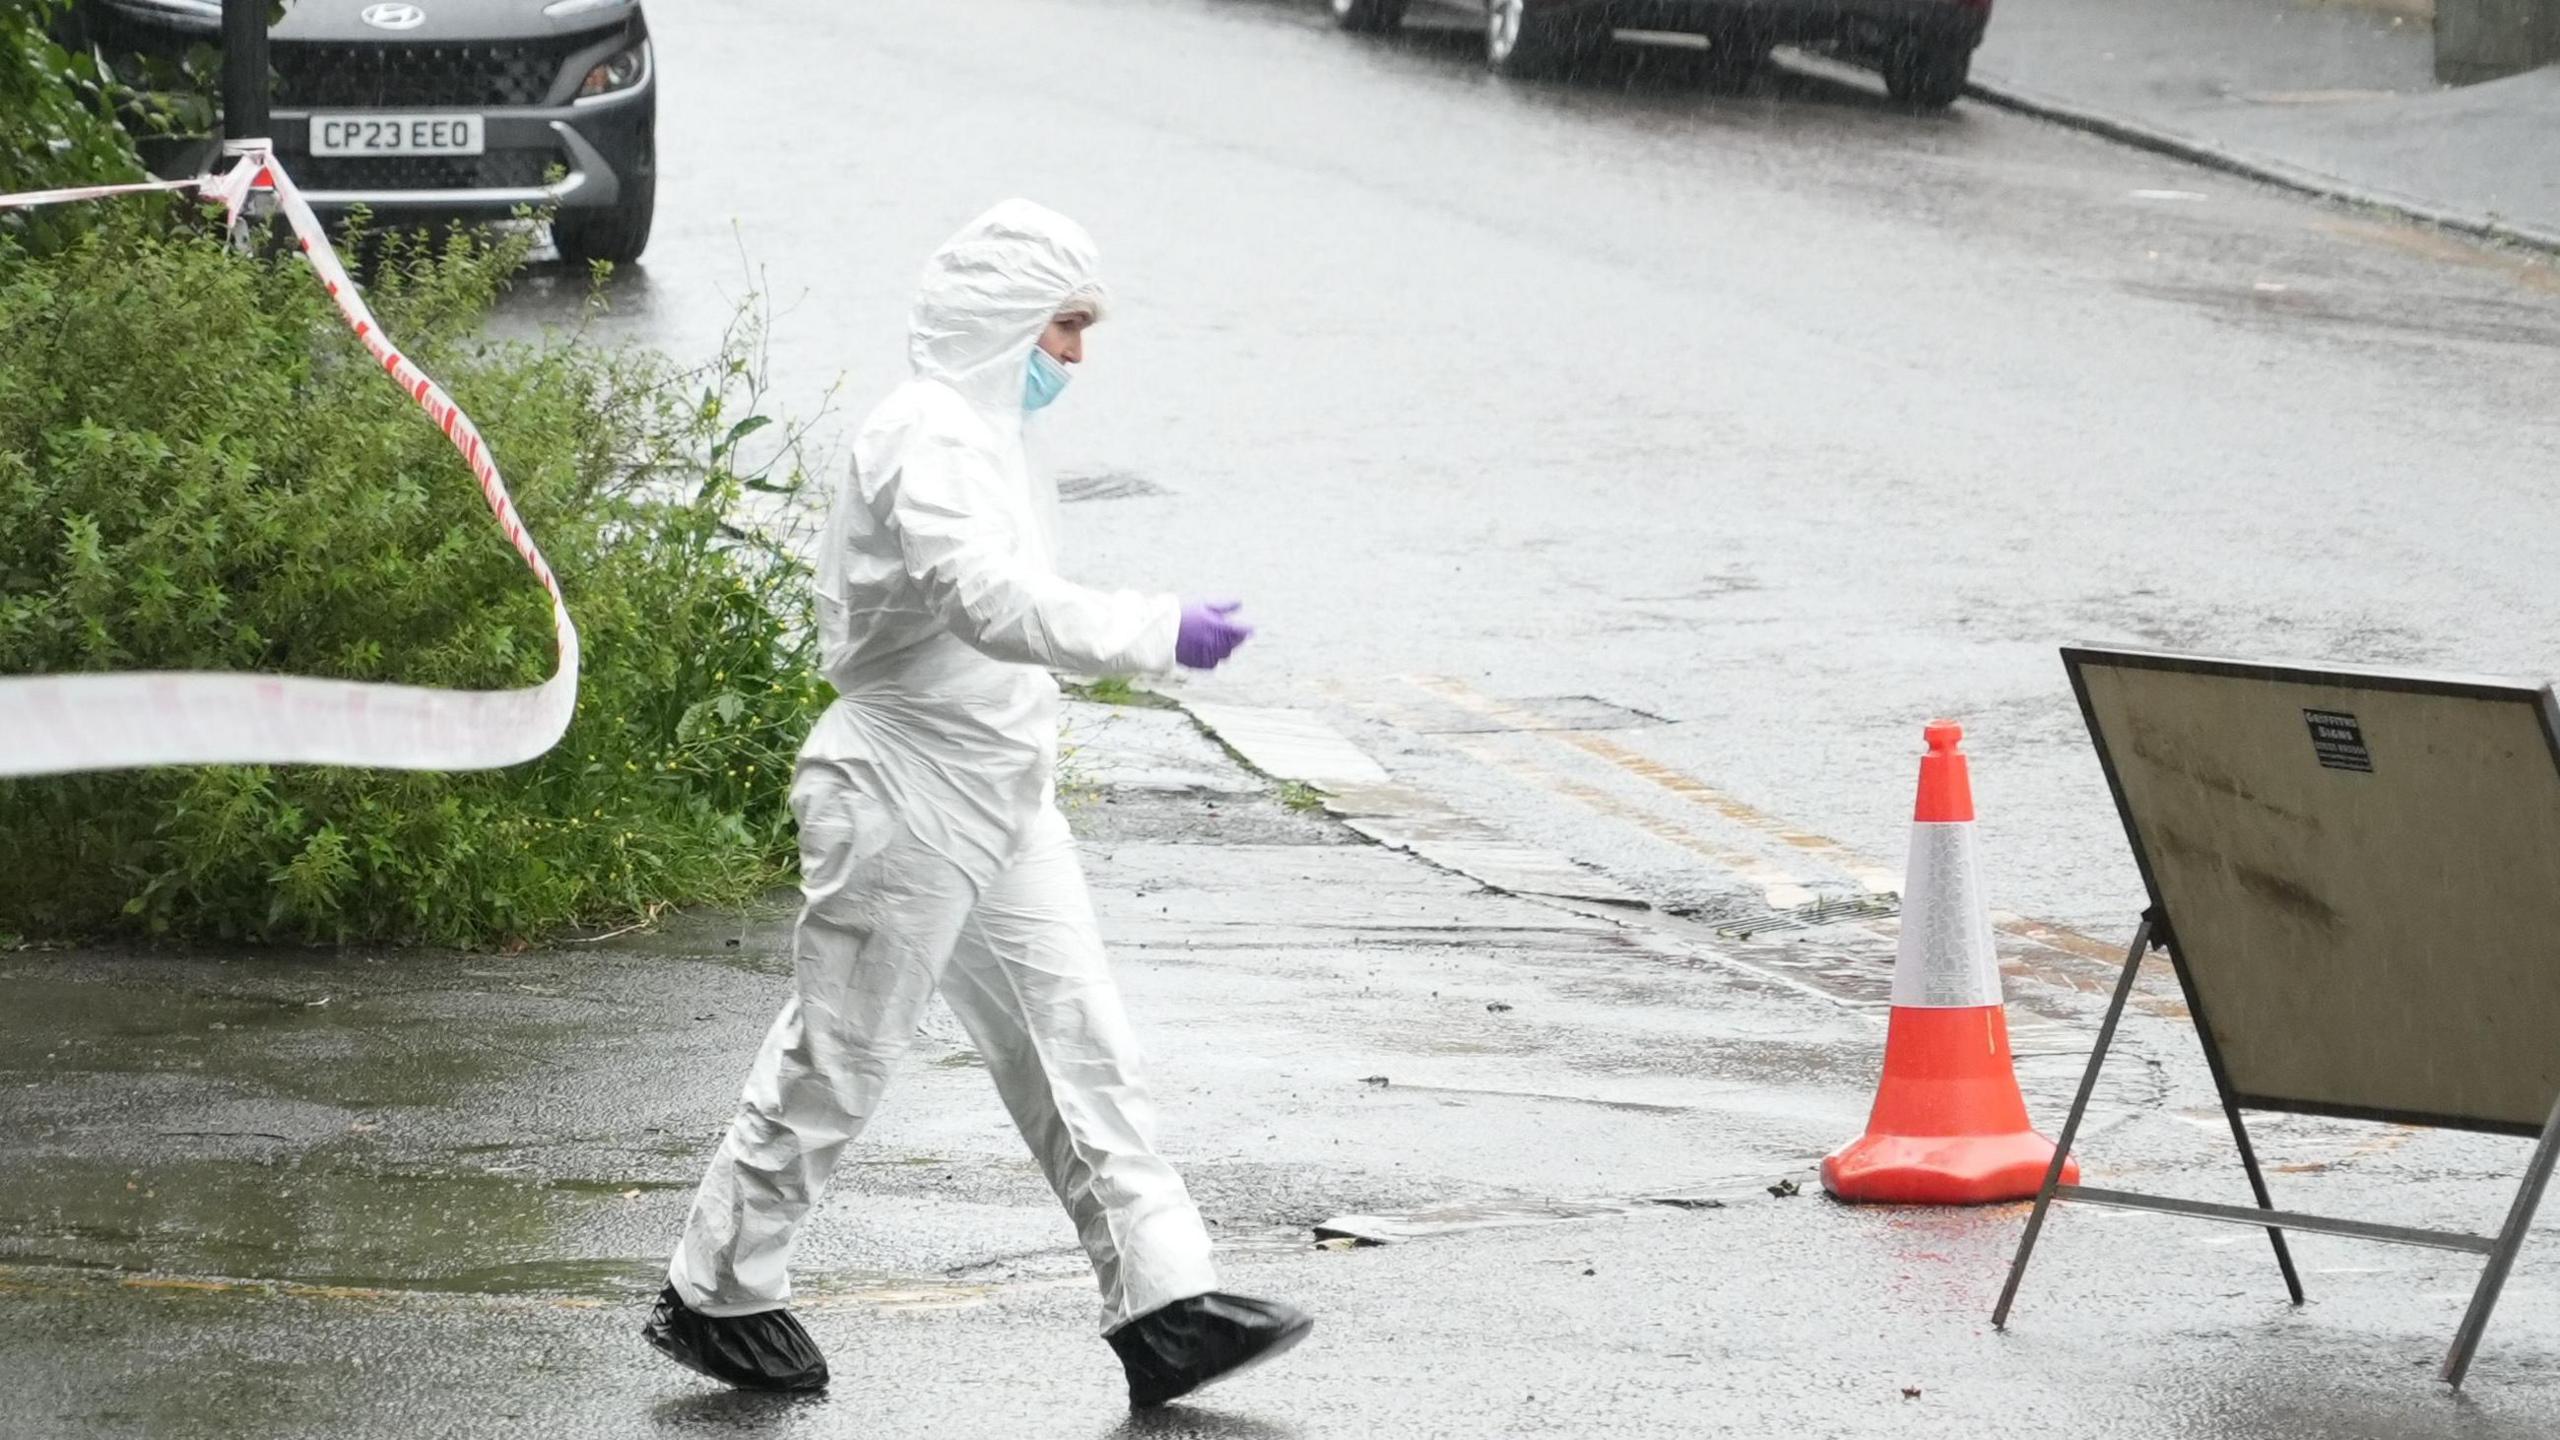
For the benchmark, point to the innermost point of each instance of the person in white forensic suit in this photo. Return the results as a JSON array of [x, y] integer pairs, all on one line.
[[933, 856]]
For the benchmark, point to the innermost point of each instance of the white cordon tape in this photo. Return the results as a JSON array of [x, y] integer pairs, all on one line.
[[1945, 959], [50, 724], [27, 199]]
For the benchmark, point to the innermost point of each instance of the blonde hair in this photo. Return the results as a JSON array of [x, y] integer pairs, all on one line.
[[1087, 302]]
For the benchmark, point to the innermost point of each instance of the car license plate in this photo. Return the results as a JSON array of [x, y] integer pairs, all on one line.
[[396, 135]]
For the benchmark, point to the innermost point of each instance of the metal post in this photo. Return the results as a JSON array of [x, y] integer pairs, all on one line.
[[244, 69], [2475, 1321], [2071, 1125], [2239, 1128], [2258, 1187]]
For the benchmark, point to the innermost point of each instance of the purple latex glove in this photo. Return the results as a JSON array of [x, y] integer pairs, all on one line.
[[1210, 633]]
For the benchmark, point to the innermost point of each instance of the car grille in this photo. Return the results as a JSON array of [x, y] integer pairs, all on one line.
[[310, 76], [497, 170]]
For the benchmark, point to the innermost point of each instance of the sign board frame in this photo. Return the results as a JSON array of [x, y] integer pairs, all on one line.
[[2521, 1098]]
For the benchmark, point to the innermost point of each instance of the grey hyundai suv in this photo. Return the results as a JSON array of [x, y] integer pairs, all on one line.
[[1924, 48], [425, 111]]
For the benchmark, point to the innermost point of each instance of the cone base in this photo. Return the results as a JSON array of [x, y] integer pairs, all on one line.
[[1942, 1169]]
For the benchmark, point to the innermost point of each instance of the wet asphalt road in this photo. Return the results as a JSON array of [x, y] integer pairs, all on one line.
[[1781, 418], [328, 1195], [1782, 415]]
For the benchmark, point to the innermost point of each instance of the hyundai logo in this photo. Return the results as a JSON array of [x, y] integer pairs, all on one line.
[[394, 17]]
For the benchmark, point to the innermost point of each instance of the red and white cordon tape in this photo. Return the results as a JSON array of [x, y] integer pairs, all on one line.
[[50, 724]]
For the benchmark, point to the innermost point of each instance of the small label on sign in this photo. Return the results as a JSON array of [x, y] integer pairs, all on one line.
[[2338, 740]]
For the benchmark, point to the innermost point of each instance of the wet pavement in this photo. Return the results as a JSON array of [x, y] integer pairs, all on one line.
[[1626, 467], [1783, 417], [2338, 98], [423, 1194]]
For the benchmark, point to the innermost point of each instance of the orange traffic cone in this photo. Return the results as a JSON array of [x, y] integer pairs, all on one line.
[[1949, 1127]]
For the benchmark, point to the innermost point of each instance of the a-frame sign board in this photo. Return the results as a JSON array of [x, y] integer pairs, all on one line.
[[2356, 876]]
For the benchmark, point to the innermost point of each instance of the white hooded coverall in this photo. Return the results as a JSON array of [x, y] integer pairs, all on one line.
[[932, 852]]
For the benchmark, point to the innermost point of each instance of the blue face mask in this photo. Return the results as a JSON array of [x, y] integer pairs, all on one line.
[[1044, 381]]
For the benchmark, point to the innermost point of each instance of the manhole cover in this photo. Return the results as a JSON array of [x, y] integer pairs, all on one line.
[[1109, 485]]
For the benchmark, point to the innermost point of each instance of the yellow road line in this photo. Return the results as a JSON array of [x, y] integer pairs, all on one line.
[[1866, 872], [1782, 890], [1869, 873]]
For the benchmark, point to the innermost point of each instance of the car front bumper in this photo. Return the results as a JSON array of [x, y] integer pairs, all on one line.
[[567, 158], [543, 147]]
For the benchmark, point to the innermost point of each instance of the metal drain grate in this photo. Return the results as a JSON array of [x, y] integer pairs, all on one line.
[[1108, 485]]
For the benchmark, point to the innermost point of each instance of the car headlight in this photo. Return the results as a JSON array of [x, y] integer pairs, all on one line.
[[618, 71]]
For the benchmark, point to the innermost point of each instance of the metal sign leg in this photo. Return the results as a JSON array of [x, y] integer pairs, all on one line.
[[2475, 1321], [2258, 1187], [2071, 1125]]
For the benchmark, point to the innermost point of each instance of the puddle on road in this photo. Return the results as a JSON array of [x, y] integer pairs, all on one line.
[[304, 1040], [298, 1222], [215, 1226], [214, 1095]]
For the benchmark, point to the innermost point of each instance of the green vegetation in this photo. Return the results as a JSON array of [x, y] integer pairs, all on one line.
[[1115, 690], [55, 125], [1300, 796], [200, 470]]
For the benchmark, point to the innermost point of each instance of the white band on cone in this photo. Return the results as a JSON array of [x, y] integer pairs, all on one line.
[[1945, 960]]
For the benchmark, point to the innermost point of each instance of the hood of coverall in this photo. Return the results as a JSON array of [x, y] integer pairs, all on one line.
[[989, 292]]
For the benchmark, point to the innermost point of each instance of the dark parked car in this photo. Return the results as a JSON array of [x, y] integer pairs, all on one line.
[[436, 110], [1923, 47]]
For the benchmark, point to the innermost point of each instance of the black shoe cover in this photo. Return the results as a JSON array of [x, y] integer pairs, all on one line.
[[764, 1351], [1190, 1343]]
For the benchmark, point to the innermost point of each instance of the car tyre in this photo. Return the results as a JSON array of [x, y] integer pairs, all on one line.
[[1524, 38], [617, 234], [1929, 74], [1368, 17]]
